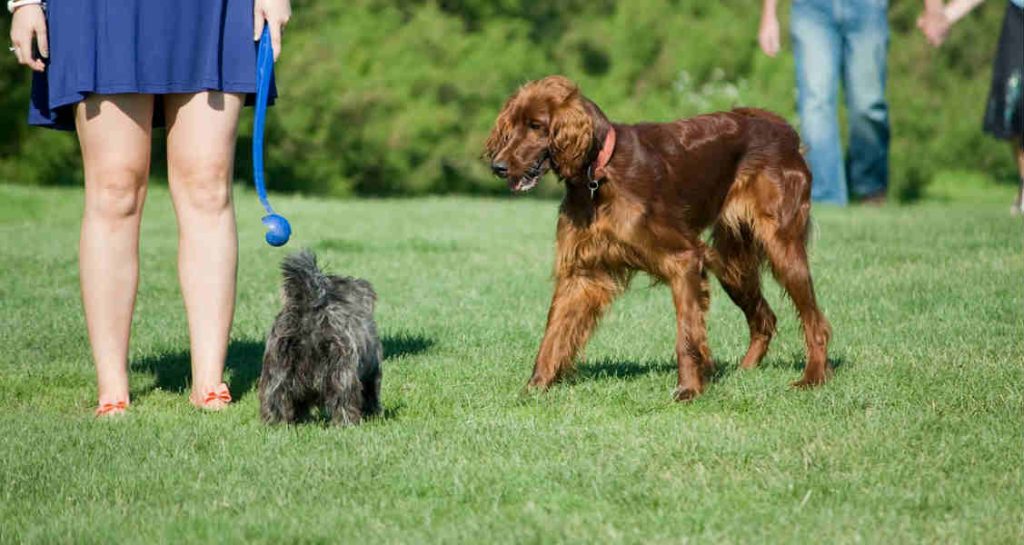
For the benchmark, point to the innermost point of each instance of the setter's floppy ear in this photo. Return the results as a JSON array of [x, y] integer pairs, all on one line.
[[572, 133], [502, 130]]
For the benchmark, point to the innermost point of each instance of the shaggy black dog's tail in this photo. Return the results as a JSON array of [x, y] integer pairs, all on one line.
[[304, 283]]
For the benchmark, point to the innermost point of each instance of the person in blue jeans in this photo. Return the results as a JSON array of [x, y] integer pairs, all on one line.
[[839, 41]]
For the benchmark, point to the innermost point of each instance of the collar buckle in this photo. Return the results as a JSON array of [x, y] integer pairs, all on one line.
[[595, 171]]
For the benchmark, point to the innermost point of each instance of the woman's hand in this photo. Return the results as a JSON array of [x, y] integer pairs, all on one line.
[[937, 20], [274, 13], [768, 35], [29, 23], [935, 26]]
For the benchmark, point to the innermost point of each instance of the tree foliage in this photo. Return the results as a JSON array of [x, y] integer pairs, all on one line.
[[383, 97]]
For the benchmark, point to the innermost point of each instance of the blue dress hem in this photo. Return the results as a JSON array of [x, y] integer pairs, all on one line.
[[142, 47], [65, 119]]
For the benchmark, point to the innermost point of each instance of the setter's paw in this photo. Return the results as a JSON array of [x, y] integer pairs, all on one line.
[[685, 393], [812, 379], [539, 383]]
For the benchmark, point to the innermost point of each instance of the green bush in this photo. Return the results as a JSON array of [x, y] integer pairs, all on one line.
[[384, 97]]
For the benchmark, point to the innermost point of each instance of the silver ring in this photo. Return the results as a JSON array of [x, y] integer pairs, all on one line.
[[12, 49]]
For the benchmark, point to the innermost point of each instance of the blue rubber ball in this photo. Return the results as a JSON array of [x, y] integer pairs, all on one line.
[[278, 229]]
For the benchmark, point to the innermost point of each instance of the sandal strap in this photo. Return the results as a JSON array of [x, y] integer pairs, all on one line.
[[220, 393], [107, 408]]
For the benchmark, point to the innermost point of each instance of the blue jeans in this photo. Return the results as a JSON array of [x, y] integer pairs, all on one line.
[[846, 39]]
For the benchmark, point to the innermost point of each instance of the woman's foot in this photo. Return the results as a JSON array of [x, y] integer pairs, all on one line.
[[111, 408], [211, 399]]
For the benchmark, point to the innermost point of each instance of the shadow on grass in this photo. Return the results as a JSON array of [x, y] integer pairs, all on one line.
[[317, 417], [172, 372], [624, 370], [628, 370], [396, 346], [797, 361]]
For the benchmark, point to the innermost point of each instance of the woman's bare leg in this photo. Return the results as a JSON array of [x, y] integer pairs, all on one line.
[[201, 130], [114, 133]]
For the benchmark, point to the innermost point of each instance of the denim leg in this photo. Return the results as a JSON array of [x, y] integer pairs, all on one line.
[[865, 47], [817, 46]]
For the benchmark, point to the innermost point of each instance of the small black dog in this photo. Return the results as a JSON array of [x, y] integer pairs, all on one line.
[[323, 350]]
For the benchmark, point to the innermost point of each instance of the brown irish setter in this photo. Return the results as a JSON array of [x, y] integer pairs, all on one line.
[[639, 196]]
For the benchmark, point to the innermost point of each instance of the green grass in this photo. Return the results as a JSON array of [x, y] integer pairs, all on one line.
[[917, 439]]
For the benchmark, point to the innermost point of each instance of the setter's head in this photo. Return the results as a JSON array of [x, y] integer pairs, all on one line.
[[546, 124]]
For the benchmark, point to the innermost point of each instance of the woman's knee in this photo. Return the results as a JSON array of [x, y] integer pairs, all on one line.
[[116, 192], [204, 185]]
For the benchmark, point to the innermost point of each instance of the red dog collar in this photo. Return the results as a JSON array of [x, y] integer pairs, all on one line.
[[596, 171]]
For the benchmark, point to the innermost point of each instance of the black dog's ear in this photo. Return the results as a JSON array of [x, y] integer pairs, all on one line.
[[304, 283], [367, 287], [572, 134], [366, 292]]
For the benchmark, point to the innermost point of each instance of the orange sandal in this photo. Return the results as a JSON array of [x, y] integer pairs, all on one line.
[[220, 393], [111, 409]]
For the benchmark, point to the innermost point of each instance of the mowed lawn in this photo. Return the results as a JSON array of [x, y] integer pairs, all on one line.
[[918, 439]]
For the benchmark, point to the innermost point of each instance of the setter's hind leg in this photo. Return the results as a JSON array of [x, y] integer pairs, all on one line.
[[736, 262], [783, 235]]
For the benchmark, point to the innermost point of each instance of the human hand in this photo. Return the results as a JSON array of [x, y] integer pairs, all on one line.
[[935, 25], [768, 35], [29, 23], [274, 13]]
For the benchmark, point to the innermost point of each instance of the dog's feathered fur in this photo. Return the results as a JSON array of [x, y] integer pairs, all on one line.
[[738, 174], [323, 350]]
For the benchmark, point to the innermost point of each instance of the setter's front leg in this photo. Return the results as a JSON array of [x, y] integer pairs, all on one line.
[[690, 295], [575, 308]]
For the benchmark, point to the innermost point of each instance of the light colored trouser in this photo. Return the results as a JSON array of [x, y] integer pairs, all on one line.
[[833, 41]]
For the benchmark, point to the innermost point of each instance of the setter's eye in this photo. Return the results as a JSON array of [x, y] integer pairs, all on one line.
[[536, 125]]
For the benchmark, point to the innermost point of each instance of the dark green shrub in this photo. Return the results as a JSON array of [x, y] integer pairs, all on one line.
[[384, 97]]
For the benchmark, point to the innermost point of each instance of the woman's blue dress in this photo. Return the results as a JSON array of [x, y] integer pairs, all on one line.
[[142, 46]]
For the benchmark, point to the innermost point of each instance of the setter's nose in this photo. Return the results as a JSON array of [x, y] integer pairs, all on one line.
[[500, 168]]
